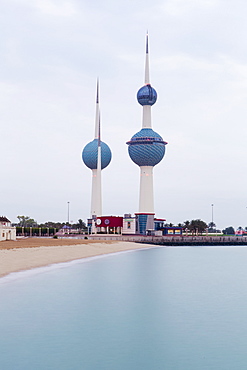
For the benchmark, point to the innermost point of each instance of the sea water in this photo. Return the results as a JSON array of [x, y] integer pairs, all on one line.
[[181, 308]]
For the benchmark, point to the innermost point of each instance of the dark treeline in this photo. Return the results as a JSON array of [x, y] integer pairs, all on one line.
[[26, 221]]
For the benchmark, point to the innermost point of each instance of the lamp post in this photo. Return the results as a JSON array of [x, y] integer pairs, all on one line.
[[68, 212], [212, 213]]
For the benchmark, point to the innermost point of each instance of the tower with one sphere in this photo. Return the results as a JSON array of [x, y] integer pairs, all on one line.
[[146, 149], [96, 155]]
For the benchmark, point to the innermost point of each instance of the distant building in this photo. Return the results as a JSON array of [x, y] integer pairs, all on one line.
[[161, 229], [109, 224], [174, 230], [7, 232], [129, 224]]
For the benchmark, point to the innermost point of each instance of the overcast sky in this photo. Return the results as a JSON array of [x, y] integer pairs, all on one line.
[[52, 52]]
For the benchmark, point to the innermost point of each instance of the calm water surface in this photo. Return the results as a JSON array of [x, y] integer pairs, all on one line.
[[181, 308]]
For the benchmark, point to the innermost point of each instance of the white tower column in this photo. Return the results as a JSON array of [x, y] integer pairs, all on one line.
[[146, 117], [96, 201], [146, 200]]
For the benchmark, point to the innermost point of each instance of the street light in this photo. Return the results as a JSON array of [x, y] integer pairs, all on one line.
[[212, 213], [68, 212]]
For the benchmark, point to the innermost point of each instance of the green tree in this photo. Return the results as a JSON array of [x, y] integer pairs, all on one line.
[[26, 221], [212, 227], [186, 224], [195, 225], [57, 225], [229, 231], [80, 225]]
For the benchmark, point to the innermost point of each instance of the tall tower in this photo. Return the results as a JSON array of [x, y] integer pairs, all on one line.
[[96, 155], [146, 149]]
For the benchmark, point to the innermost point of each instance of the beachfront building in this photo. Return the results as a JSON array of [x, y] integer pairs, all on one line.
[[96, 155], [129, 224], [7, 232], [146, 149], [109, 224], [163, 229]]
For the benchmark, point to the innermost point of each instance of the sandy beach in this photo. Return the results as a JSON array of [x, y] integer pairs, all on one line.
[[36, 252]]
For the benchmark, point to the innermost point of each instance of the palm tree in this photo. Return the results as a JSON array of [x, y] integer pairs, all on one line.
[[211, 225]]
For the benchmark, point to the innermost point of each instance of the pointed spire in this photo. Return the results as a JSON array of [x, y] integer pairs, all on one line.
[[97, 112], [147, 79], [97, 91], [147, 43]]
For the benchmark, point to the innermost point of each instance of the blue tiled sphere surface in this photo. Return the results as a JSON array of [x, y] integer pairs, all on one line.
[[90, 155], [146, 148], [147, 95]]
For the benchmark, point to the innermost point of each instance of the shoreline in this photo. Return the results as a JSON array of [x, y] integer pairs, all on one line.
[[32, 253]]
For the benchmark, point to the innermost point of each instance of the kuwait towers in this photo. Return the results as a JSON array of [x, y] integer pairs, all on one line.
[[96, 155], [146, 149]]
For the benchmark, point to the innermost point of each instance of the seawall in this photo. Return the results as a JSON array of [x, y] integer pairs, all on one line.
[[175, 240]]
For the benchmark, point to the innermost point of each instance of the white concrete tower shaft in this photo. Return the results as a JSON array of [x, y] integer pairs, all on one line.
[[146, 197], [96, 201]]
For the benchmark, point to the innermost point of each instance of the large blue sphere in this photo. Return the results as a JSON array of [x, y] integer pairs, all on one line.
[[146, 148], [147, 95], [90, 155]]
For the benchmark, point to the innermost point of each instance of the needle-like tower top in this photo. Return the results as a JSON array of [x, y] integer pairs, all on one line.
[[147, 78], [97, 118]]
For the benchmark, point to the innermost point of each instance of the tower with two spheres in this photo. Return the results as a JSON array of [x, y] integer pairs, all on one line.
[[146, 149]]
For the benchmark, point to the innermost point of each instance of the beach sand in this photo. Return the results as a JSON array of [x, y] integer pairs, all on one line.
[[30, 253]]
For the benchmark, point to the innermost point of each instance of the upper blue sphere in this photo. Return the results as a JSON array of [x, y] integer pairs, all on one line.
[[146, 147], [90, 155], [147, 95]]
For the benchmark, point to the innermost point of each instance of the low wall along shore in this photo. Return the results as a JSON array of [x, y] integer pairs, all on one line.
[[178, 240], [111, 238]]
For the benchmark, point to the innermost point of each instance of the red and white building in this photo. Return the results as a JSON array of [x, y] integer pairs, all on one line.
[[109, 224]]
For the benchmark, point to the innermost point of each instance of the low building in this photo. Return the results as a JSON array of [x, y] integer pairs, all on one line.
[[109, 224], [129, 224], [159, 225], [174, 230], [105, 225], [7, 232]]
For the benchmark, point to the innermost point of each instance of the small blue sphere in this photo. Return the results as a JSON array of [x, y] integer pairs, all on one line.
[[147, 95], [146, 147], [90, 155]]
